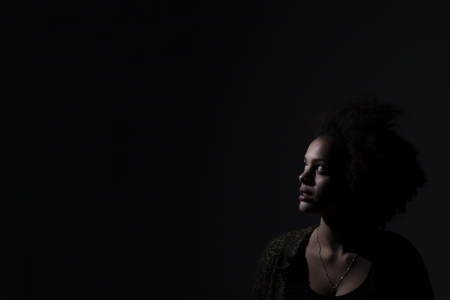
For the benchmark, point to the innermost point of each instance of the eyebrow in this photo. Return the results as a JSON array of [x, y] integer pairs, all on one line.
[[316, 159]]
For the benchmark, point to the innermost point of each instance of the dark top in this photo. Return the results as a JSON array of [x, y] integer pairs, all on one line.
[[397, 271], [298, 288]]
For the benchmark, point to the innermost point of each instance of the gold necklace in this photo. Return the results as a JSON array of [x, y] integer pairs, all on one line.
[[334, 287]]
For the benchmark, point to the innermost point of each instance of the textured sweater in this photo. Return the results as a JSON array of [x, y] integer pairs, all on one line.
[[399, 272]]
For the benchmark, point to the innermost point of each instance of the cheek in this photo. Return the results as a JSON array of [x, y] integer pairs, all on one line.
[[327, 189], [323, 185]]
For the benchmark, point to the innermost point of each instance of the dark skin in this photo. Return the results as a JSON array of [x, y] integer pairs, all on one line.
[[342, 233]]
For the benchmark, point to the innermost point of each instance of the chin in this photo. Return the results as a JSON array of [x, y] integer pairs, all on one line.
[[306, 207]]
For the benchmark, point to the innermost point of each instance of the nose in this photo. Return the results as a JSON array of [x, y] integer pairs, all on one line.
[[306, 178]]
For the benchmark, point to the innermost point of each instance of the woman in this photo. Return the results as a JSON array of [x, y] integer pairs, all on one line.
[[358, 173]]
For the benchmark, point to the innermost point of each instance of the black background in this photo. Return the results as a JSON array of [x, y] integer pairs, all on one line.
[[153, 151]]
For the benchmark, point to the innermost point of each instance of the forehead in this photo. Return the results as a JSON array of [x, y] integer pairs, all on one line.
[[322, 148]]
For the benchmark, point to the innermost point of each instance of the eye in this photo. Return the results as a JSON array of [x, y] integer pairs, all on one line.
[[321, 168], [305, 166]]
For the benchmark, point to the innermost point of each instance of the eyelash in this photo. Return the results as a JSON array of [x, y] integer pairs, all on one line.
[[317, 167]]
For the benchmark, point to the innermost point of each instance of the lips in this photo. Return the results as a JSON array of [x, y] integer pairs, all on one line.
[[305, 191], [305, 195]]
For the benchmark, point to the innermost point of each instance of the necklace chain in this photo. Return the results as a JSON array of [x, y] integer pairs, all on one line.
[[334, 287]]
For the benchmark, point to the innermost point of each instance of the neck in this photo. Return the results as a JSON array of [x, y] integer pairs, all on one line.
[[341, 235]]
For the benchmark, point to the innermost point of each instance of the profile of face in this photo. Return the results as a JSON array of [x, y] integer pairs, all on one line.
[[323, 188]]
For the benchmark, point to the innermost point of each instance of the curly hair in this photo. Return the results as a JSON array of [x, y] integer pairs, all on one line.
[[379, 164]]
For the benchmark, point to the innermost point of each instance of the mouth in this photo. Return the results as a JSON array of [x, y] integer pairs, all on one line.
[[305, 195]]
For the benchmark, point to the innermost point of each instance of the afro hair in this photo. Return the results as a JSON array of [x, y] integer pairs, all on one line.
[[379, 164]]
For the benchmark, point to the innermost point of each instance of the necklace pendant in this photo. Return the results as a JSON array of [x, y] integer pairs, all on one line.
[[333, 291]]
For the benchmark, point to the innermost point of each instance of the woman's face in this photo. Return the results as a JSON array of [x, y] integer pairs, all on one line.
[[322, 186]]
